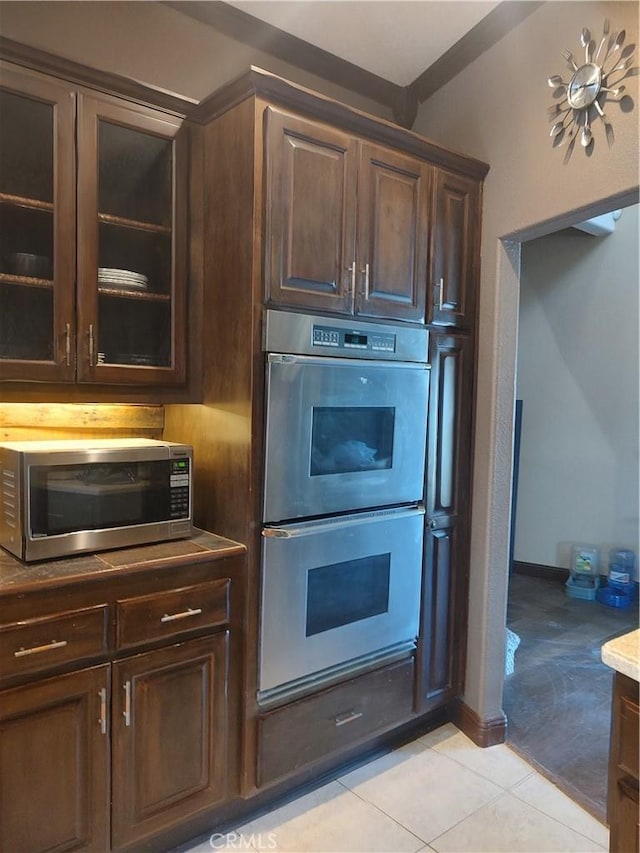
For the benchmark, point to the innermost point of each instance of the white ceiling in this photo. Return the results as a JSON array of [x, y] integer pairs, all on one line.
[[395, 39]]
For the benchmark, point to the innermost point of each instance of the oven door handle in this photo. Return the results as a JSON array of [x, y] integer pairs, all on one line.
[[329, 360], [310, 528]]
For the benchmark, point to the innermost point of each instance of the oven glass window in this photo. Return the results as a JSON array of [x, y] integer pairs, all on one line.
[[93, 496], [351, 438], [342, 593]]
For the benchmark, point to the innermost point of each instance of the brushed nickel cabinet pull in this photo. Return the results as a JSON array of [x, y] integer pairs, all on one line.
[[348, 717], [351, 286], [440, 286], [127, 703], [91, 345], [192, 611], [47, 647], [365, 273], [102, 694], [67, 344]]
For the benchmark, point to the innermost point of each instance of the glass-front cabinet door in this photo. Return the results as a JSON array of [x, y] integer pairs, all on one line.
[[37, 227], [131, 266]]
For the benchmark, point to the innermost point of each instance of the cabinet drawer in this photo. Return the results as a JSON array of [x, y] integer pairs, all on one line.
[[628, 744], [164, 614], [337, 718], [40, 644]]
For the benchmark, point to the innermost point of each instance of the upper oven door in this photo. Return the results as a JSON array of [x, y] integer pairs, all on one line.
[[342, 434]]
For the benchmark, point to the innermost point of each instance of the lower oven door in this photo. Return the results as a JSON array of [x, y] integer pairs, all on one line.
[[338, 595], [341, 434]]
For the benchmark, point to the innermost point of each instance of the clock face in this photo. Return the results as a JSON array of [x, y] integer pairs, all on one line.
[[584, 86]]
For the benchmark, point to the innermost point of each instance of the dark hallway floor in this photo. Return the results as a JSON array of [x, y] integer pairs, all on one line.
[[558, 700]]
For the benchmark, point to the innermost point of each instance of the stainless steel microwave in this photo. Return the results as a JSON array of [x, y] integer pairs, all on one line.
[[61, 498]]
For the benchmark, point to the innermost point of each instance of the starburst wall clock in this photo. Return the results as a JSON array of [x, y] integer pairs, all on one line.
[[593, 82]]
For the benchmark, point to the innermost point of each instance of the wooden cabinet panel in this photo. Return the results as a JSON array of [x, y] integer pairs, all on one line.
[[132, 185], [626, 836], [449, 425], [439, 670], [54, 764], [37, 218], [309, 213], [158, 616], [623, 784], [346, 222], [90, 182], [169, 736], [454, 250], [38, 644], [336, 718], [441, 649], [393, 196], [629, 736]]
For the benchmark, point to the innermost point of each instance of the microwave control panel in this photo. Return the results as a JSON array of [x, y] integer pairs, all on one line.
[[343, 339], [179, 480]]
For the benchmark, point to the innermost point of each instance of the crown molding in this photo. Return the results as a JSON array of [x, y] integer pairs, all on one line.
[[275, 42], [403, 101]]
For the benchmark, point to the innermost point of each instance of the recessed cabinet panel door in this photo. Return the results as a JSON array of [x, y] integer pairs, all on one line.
[[169, 736], [37, 227], [131, 241], [449, 426], [393, 196], [310, 214], [438, 614], [54, 764], [454, 271]]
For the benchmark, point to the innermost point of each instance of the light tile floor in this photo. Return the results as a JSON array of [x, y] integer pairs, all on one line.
[[440, 793]]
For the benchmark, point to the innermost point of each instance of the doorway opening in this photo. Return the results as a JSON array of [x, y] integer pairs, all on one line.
[[577, 483]]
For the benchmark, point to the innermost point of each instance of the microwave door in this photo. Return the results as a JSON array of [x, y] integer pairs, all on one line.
[[342, 434]]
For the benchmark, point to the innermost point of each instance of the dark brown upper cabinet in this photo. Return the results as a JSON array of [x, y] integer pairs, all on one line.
[[346, 222], [454, 250], [92, 235]]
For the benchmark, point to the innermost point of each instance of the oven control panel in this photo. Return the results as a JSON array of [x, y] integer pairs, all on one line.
[[344, 339]]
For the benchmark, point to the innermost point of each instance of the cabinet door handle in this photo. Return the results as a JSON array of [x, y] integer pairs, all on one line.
[[439, 285], [365, 285], [91, 345], [185, 614], [67, 344], [351, 285], [127, 703], [347, 717], [47, 647], [102, 695]]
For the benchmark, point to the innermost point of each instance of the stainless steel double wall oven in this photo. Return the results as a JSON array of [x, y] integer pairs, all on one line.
[[346, 415]]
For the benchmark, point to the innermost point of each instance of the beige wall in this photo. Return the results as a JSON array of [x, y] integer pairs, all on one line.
[[578, 377], [151, 43], [496, 110]]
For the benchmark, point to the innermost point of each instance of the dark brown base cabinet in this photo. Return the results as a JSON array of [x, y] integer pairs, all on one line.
[[55, 764], [169, 737], [113, 756], [623, 807], [300, 733]]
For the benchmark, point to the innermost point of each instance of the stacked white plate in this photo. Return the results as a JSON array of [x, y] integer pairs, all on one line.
[[122, 278]]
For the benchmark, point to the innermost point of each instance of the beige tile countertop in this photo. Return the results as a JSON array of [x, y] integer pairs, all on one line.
[[623, 654]]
